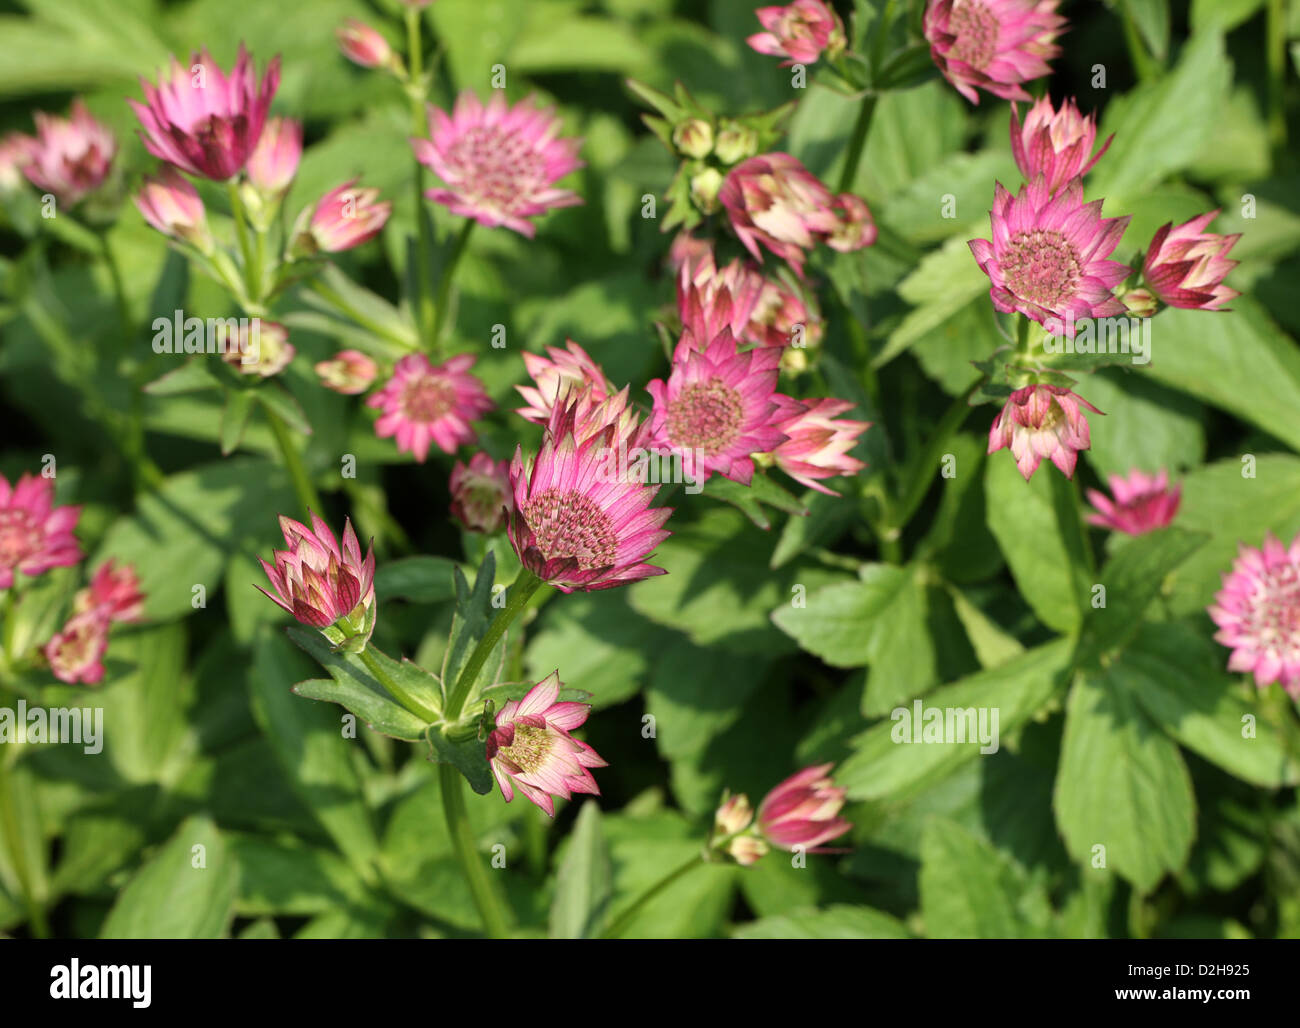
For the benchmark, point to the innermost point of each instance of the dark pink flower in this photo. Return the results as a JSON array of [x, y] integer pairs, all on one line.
[[481, 498], [1042, 421], [425, 403], [1142, 503], [817, 445], [68, 157], [1258, 614], [995, 45], [76, 651], [1055, 144], [363, 45], [556, 376], [803, 811], [34, 534], [171, 204], [1185, 266], [800, 32], [114, 591], [346, 217]]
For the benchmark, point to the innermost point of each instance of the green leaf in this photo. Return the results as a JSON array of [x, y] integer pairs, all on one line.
[[234, 419], [418, 579], [474, 612], [827, 518], [186, 891], [1147, 426], [1152, 20], [584, 881], [1121, 785], [466, 755], [838, 921], [943, 283], [1223, 15], [749, 499], [281, 403], [992, 645]]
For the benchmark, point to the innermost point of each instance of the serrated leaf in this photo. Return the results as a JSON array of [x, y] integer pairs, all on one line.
[[584, 881]]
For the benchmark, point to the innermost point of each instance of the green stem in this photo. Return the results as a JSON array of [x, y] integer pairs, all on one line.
[[481, 887], [448, 273], [625, 918], [858, 141], [241, 232], [426, 311], [919, 482], [1143, 63], [308, 498], [517, 597], [119, 286], [40, 926], [401, 695], [1276, 62]]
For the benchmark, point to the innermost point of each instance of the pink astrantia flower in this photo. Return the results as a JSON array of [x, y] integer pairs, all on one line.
[[1042, 421], [203, 121], [348, 372], [481, 497], [818, 445], [76, 651], [425, 403], [855, 226], [1258, 613], [171, 204], [260, 348], [994, 45], [1185, 266], [578, 522], [531, 747], [114, 591], [773, 201], [347, 216], [800, 32], [1056, 144], [362, 44], [323, 584], [710, 299], [717, 407], [274, 160], [499, 163], [1047, 258], [68, 157], [803, 811], [556, 376], [34, 534], [1142, 503]]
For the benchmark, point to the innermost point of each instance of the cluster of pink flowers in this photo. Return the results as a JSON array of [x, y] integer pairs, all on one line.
[[801, 814]]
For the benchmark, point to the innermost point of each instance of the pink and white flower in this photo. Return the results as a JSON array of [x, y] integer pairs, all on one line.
[[803, 812], [1258, 614], [35, 535], [1185, 266], [259, 348], [274, 160], [114, 591], [171, 204], [558, 375], [1142, 503], [481, 497], [348, 372], [710, 299], [1042, 421], [68, 157], [855, 227], [425, 403], [203, 121], [499, 164], [363, 45], [531, 747], [800, 32], [346, 217], [1047, 258], [1055, 144], [817, 445], [994, 45], [76, 651]]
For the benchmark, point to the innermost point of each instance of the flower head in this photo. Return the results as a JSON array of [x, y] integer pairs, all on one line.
[[346, 217], [1047, 258], [274, 161], [710, 299], [1056, 144], [35, 535], [579, 522], [1142, 503], [114, 591], [1258, 613], [348, 372], [1042, 421], [817, 445], [481, 497], [855, 227], [259, 348], [773, 201], [799, 32], [499, 163], [425, 403], [322, 584], [203, 121], [717, 407], [68, 157], [1185, 266], [531, 747], [994, 45], [556, 376], [803, 811], [171, 204], [76, 651], [363, 45]]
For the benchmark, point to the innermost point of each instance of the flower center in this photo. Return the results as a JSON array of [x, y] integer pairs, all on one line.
[[499, 170], [529, 749], [1041, 266], [705, 416], [1274, 617], [976, 29], [19, 538], [427, 399], [568, 524]]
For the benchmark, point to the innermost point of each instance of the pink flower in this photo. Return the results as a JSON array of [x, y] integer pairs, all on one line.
[[799, 31], [499, 163], [1142, 503], [323, 585], [775, 202], [531, 747], [717, 407], [579, 522], [363, 45], [1055, 144], [424, 403], [171, 204], [204, 122], [818, 446], [68, 157], [481, 497], [260, 348], [274, 161], [34, 534], [993, 44], [803, 811], [348, 372], [1048, 255], [76, 651], [856, 227], [1185, 266], [113, 591], [1042, 421], [1258, 613], [555, 378], [346, 217], [710, 299]]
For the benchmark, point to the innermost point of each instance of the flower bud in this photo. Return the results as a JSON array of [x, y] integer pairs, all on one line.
[[705, 185], [693, 138]]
